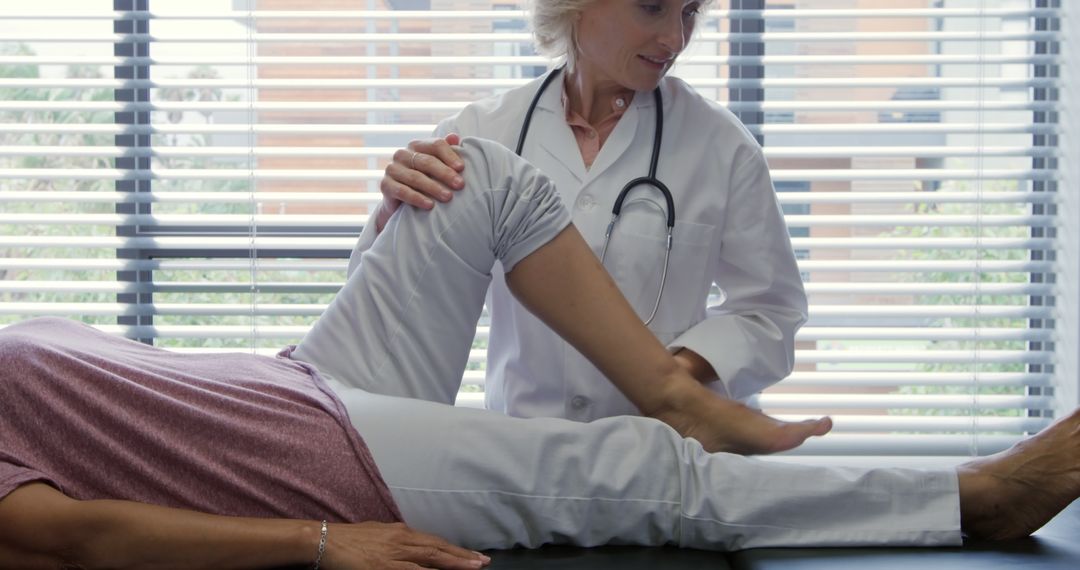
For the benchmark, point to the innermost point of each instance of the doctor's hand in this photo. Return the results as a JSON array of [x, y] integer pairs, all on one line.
[[425, 171], [393, 546]]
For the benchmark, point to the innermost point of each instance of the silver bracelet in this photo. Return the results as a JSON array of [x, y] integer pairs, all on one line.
[[322, 546]]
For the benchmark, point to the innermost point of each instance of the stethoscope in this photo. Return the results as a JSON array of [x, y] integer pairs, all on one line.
[[650, 180]]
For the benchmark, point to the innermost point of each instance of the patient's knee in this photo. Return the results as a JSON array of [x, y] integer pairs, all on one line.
[[490, 166], [524, 208]]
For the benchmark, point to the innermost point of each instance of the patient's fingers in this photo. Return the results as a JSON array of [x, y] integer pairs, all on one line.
[[425, 540], [432, 557], [394, 545]]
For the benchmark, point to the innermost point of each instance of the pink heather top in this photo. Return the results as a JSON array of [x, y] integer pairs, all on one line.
[[590, 139], [100, 417]]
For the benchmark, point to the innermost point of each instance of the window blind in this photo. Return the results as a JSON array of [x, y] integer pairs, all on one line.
[[194, 174]]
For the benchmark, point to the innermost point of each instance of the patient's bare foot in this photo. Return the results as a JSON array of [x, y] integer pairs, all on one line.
[[725, 425], [1013, 493]]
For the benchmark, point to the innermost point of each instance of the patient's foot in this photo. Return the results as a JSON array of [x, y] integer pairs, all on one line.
[[725, 425], [1013, 493]]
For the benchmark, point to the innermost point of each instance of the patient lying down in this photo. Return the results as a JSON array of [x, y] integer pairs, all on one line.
[[114, 454]]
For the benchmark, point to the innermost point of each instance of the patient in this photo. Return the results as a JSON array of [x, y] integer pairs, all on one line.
[[116, 454]]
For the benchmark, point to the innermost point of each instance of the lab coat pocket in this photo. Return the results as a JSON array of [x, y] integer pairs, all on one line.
[[635, 258]]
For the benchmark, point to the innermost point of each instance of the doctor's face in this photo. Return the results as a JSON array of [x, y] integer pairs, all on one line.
[[633, 42]]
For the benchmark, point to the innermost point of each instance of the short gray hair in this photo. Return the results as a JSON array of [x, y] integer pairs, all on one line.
[[553, 26]]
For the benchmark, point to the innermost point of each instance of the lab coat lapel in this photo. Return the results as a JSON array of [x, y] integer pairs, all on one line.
[[552, 135], [621, 138]]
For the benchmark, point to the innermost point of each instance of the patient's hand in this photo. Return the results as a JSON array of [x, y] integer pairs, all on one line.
[[728, 426], [381, 545]]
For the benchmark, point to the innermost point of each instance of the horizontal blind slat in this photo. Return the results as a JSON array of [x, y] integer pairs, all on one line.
[[856, 243], [373, 175], [346, 243], [804, 379], [327, 14], [919, 266], [426, 61], [805, 265], [351, 222], [386, 152], [171, 196], [525, 38], [212, 265], [424, 130], [494, 83], [919, 401], [454, 106]]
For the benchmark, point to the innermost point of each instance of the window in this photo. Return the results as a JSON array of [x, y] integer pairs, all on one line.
[[194, 174]]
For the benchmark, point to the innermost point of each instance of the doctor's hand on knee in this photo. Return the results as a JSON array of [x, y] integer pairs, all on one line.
[[425, 172]]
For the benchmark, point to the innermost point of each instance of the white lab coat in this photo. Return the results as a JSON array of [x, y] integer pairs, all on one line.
[[728, 230]]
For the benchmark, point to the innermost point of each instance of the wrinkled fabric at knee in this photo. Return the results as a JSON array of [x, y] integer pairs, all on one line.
[[526, 211]]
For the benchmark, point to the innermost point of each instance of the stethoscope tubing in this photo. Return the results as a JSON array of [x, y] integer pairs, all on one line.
[[649, 180]]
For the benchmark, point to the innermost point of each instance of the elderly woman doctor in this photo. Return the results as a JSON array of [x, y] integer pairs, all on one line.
[[598, 124]]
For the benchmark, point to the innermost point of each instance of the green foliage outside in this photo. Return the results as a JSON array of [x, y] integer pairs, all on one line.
[[45, 161], [984, 277]]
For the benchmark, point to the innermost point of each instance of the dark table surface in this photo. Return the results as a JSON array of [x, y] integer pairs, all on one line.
[[1054, 547]]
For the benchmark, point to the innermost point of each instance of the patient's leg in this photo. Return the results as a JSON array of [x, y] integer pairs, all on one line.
[[482, 480], [487, 480], [403, 324]]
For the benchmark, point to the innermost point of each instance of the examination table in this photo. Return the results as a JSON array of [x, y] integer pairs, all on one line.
[[1054, 547]]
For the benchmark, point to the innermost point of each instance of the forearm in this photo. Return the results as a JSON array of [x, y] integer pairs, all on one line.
[[124, 534], [134, 535]]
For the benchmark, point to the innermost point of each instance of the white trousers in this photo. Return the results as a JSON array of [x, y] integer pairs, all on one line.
[[395, 340]]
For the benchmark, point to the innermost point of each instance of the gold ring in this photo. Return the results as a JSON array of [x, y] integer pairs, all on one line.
[[412, 160]]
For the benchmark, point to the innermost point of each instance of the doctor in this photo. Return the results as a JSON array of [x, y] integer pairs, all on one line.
[[594, 129]]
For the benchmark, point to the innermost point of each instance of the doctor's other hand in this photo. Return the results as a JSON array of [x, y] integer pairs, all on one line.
[[393, 546], [427, 169]]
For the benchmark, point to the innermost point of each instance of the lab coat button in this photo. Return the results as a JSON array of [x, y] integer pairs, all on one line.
[[586, 203], [579, 402]]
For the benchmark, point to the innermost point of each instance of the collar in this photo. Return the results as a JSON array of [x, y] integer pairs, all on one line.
[[618, 105]]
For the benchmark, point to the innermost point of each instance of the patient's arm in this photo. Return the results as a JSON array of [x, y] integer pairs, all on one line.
[[44, 528], [40, 527]]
